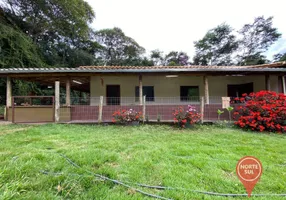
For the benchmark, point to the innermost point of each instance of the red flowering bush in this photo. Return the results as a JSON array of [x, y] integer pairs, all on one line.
[[125, 116], [263, 111], [188, 117]]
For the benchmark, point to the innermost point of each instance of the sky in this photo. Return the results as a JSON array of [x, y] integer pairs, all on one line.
[[174, 25]]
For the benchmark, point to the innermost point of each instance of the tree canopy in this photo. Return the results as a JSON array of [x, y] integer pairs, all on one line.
[[117, 48], [223, 46], [216, 47]]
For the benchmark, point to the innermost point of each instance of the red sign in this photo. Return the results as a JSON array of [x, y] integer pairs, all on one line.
[[249, 170]]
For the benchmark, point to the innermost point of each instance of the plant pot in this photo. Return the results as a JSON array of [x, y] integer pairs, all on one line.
[[188, 125], [133, 123]]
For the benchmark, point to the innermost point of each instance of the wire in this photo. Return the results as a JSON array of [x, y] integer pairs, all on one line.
[[125, 183], [113, 180]]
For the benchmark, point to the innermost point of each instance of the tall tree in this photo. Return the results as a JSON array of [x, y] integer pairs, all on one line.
[[157, 57], [175, 58], [118, 49], [51, 18], [279, 57], [216, 47], [59, 28], [256, 38], [16, 48]]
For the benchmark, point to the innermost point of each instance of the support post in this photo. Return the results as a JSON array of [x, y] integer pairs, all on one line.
[[144, 108], [68, 92], [57, 101], [206, 90], [100, 107], [202, 109], [8, 92], [283, 85], [140, 90], [267, 82], [8, 96]]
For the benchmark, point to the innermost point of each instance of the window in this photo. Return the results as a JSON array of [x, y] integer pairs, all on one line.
[[147, 90], [189, 93]]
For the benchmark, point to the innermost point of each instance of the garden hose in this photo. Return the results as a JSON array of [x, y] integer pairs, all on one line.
[[125, 184]]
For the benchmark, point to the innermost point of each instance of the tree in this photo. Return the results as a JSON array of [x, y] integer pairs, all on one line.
[[256, 38], [58, 28], [175, 58], [157, 57], [17, 49], [118, 49], [279, 57], [45, 33], [216, 47], [51, 18]]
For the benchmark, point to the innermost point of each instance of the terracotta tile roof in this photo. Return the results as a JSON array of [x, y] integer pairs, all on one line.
[[279, 67], [272, 65]]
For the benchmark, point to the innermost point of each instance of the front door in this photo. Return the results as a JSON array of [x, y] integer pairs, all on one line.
[[239, 89], [113, 94]]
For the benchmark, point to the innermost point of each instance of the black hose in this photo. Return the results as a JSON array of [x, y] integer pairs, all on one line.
[[113, 180], [151, 186]]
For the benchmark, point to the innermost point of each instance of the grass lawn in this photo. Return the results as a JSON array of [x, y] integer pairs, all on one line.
[[202, 159]]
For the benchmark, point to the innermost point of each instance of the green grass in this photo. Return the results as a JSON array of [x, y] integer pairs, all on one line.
[[201, 159]]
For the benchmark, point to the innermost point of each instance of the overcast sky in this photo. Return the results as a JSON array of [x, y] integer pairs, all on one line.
[[175, 24]]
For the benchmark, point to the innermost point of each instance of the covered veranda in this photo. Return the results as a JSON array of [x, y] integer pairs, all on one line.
[[63, 107]]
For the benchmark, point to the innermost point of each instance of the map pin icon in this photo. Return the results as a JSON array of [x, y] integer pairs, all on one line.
[[249, 170]]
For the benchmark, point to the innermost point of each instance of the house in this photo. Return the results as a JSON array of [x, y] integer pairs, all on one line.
[[155, 90]]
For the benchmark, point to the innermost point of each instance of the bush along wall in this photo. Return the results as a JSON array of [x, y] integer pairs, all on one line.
[[262, 111]]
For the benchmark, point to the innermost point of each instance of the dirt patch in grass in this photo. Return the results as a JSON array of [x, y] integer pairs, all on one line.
[[14, 130]]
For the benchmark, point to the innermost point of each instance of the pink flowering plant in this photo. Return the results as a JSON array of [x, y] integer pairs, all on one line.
[[125, 116], [186, 117]]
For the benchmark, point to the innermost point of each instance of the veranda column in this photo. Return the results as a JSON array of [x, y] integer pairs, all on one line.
[[267, 82], [8, 96], [68, 92], [206, 90], [140, 90], [283, 85], [8, 92], [57, 101]]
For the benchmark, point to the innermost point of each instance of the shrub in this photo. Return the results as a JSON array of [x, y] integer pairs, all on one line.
[[125, 116], [262, 111], [188, 117]]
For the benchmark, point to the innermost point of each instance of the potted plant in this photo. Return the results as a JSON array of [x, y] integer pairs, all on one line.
[[127, 117], [186, 118]]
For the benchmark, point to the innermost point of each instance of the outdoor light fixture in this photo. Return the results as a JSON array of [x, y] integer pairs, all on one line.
[[77, 82], [49, 87], [171, 76]]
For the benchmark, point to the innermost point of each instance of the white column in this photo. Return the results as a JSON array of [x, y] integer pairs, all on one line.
[[283, 84], [57, 101], [206, 90], [8, 92], [100, 108], [140, 90]]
